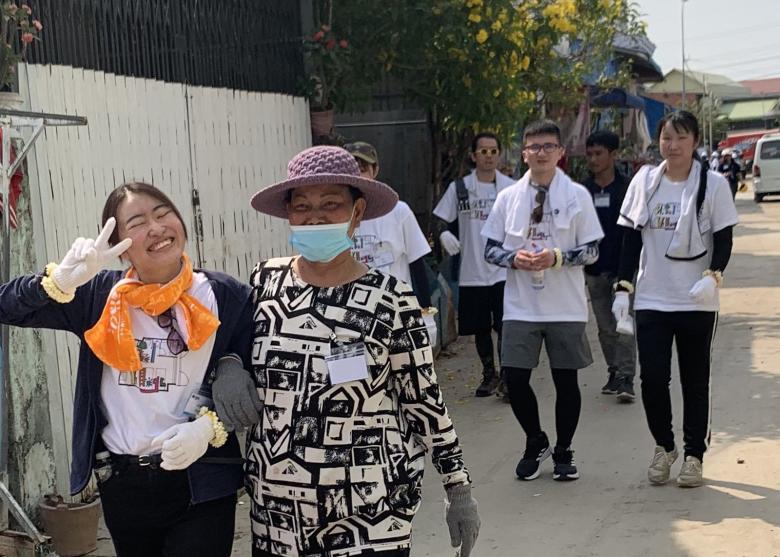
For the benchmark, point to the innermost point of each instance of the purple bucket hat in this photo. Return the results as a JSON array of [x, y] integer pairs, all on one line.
[[325, 164]]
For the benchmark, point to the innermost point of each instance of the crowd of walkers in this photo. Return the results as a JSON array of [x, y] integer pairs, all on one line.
[[325, 357]]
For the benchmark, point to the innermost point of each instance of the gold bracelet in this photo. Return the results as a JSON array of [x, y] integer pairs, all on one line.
[[220, 435], [558, 258], [52, 289], [717, 275], [624, 284]]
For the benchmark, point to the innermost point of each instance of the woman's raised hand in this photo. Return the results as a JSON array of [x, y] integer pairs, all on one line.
[[87, 257]]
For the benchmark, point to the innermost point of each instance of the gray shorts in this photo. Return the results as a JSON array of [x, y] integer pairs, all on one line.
[[565, 341]]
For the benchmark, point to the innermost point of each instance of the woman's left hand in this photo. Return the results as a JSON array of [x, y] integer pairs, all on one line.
[[183, 444]]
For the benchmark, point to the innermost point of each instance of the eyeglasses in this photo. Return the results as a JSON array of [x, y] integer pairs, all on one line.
[[538, 212], [176, 344], [484, 151], [362, 148], [534, 148]]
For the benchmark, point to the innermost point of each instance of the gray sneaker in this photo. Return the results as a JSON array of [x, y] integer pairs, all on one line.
[[690, 473], [658, 472]]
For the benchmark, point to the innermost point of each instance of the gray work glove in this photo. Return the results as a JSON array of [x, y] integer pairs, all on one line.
[[462, 516], [235, 395]]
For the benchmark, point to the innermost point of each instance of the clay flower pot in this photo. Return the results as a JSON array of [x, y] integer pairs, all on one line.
[[72, 526]]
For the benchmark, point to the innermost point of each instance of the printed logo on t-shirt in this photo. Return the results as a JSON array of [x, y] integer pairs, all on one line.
[[476, 209], [372, 251], [161, 371], [540, 231], [665, 216]]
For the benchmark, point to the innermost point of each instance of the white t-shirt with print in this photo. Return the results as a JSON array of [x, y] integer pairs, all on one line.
[[662, 283], [563, 296], [391, 242], [474, 270], [140, 406]]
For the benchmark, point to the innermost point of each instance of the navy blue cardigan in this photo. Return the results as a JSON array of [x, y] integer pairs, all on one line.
[[24, 303]]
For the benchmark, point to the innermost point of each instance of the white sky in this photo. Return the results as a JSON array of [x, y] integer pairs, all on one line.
[[736, 38]]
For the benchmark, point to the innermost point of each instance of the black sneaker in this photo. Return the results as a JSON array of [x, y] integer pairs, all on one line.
[[625, 390], [564, 469], [610, 388], [488, 385], [536, 450]]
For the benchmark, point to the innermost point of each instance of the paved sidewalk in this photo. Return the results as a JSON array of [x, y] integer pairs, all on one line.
[[612, 510]]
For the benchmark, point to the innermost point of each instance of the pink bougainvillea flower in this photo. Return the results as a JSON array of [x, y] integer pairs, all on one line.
[[318, 36], [27, 38], [343, 43], [37, 24], [331, 44]]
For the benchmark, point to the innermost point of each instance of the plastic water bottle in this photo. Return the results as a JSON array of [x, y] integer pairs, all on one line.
[[537, 277]]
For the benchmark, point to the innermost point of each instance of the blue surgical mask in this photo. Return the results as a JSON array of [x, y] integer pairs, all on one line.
[[321, 242]]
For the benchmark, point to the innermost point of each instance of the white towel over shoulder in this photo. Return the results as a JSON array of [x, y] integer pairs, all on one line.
[[687, 242]]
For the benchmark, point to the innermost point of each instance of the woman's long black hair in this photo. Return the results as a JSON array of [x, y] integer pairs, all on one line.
[[682, 120]]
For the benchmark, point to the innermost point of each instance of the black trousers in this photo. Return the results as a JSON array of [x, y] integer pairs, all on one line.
[[692, 333], [399, 553], [149, 514], [568, 402]]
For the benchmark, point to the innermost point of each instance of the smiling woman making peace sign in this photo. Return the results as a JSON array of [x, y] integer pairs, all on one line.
[[167, 471]]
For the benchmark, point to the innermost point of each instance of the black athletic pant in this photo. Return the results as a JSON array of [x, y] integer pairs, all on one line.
[[484, 343], [526, 410], [692, 333]]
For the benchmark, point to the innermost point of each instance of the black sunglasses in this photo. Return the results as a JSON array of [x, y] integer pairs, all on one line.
[[485, 151], [176, 344], [538, 212]]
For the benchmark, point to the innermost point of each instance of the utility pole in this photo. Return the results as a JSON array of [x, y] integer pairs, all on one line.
[[682, 32]]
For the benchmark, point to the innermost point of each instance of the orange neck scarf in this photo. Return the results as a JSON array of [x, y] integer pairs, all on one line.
[[112, 340]]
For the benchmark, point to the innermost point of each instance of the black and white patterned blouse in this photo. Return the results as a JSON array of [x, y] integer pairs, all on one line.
[[336, 470]]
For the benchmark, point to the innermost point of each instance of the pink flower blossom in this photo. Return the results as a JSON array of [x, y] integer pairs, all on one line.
[[37, 24], [27, 9], [325, 28], [343, 43], [318, 36], [331, 44], [27, 38]]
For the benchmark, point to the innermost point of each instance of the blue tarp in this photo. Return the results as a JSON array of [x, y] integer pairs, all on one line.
[[617, 97], [654, 111]]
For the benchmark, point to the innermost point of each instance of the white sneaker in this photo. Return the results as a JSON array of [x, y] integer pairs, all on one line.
[[660, 467], [690, 473]]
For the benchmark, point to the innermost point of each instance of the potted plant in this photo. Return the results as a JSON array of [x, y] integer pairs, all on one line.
[[72, 526], [17, 30], [328, 65]]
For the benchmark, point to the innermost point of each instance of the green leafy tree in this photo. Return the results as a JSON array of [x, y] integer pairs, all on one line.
[[482, 64]]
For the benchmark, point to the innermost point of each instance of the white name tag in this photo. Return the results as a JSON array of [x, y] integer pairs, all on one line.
[[347, 362], [601, 200], [194, 404], [383, 257]]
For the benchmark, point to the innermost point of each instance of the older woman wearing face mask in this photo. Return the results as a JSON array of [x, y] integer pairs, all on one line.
[[344, 365]]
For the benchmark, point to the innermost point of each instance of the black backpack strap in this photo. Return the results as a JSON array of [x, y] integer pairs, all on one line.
[[463, 194], [702, 193]]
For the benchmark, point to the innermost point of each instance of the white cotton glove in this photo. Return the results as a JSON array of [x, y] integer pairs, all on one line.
[[704, 290], [429, 318], [183, 444], [86, 258], [449, 242], [621, 306]]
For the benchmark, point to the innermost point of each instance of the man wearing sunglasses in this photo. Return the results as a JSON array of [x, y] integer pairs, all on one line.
[[544, 229], [465, 206]]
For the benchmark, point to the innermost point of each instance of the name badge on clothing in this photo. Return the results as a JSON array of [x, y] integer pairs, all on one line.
[[347, 362], [601, 200], [383, 256], [195, 401]]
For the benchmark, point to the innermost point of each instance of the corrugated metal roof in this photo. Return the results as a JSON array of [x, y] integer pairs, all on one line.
[[756, 109]]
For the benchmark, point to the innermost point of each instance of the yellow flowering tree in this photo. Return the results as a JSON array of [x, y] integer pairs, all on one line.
[[484, 64]]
